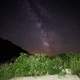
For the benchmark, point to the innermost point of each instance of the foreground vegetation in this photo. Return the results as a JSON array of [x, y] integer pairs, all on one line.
[[39, 64]]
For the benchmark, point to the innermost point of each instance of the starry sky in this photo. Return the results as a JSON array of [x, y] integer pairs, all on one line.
[[49, 26]]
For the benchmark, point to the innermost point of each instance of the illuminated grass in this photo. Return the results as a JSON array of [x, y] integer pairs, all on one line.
[[36, 65]]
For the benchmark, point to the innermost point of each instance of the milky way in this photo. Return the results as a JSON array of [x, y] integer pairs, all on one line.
[[48, 39], [41, 25]]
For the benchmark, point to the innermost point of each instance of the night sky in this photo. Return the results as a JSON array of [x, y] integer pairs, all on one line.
[[41, 25]]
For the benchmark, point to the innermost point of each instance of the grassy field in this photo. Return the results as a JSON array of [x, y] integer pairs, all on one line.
[[39, 64]]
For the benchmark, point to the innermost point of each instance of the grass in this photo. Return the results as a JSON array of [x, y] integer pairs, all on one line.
[[39, 64]]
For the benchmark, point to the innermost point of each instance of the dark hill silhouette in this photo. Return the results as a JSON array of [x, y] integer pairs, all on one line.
[[8, 50]]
